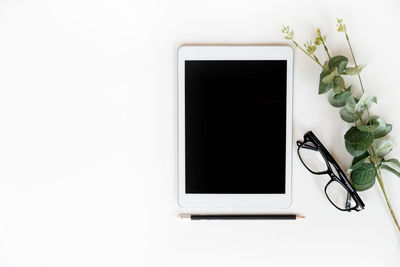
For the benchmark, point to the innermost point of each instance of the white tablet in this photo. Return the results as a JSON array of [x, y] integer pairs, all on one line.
[[235, 126]]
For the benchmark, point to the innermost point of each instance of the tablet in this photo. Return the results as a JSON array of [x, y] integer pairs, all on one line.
[[235, 126]]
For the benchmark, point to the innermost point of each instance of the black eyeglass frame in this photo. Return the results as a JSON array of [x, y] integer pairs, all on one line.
[[329, 160]]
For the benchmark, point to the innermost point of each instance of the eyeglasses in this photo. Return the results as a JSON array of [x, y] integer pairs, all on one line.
[[319, 161]]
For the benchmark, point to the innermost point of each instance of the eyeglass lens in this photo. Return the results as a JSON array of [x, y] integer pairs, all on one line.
[[312, 159], [338, 195]]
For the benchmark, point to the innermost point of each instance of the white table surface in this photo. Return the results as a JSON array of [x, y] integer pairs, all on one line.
[[88, 139]]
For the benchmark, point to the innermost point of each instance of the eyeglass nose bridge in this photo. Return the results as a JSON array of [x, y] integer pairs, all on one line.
[[331, 174], [305, 145]]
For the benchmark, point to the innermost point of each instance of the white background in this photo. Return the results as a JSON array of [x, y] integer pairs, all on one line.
[[88, 136]]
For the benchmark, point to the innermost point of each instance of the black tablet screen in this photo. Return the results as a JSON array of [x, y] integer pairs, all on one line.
[[235, 125]]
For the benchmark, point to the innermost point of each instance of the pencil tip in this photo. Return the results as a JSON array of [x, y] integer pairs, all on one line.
[[184, 216], [300, 217]]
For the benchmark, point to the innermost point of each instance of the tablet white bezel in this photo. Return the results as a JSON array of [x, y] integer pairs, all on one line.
[[234, 53]]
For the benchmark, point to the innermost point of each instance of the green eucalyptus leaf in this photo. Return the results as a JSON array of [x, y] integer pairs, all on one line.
[[352, 135], [348, 116], [354, 70], [351, 103], [383, 147], [381, 125], [383, 129], [324, 87], [339, 62], [370, 127], [338, 100], [338, 83], [363, 177], [394, 171], [392, 165], [365, 102], [357, 141], [353, 149], [329, 78], [388, 129], [348, 112], [344, 95], [359, 159]]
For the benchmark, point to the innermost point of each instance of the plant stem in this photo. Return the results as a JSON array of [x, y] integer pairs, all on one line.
[[369, 117], [374, 155], [354, 59], [355, 63], [379, 177], [326, 48], [359, 116], [315, 59]]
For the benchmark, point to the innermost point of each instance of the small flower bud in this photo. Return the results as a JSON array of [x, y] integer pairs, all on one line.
[[341, 26]]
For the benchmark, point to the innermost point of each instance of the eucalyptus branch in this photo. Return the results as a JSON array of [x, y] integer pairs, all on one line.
[[342, 28], [363, 140]]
